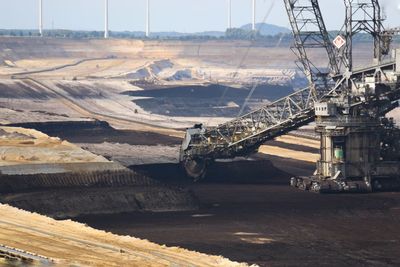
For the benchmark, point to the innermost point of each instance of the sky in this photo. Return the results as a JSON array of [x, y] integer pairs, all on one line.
[[167, 15]]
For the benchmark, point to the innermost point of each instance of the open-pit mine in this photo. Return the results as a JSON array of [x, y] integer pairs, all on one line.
[[128, 152]]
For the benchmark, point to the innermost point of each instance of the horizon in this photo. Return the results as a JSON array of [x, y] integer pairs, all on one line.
[[143, 31], [129, 16]]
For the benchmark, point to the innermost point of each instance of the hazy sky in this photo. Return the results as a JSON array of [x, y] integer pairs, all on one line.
[[167, 15]]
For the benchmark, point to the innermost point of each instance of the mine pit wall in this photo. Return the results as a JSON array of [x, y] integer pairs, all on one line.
[[218, 51], [72, 194], [71, 203], [34, 182]]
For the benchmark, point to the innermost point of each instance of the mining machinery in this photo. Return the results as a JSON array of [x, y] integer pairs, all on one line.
[[360, 149]]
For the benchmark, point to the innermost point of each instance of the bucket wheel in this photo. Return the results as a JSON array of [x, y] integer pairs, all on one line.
[[195, 169]]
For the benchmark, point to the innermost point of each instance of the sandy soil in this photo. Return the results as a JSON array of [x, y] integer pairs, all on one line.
[[129, 155], [289, 153], [25, 146], [70, 243], [211, 60], [295, 140], [128, 58]]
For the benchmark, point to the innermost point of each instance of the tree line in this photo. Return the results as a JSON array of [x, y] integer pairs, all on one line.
[[230, 34]]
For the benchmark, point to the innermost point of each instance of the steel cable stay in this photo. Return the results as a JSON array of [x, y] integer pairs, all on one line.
[[244, 57]]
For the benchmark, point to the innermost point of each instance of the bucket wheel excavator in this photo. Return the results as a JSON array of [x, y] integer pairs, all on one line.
[[360, 149]]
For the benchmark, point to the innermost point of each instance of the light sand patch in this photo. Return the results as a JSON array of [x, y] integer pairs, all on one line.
[[127, 155], [27, 146], [288, 139], [43, 63], [288, 153]]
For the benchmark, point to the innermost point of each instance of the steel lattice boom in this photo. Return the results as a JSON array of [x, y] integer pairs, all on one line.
[[246, 133]]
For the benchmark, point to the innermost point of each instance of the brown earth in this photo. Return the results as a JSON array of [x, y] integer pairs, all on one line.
[[249, 213], [20, 146]]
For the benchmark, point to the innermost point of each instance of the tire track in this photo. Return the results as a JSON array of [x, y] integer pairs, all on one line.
[[13, 75]]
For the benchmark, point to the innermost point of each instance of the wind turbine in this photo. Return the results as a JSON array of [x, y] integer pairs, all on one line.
[[148, 18], [41, 18], [229, 14], [254, 16], [106, 19]]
